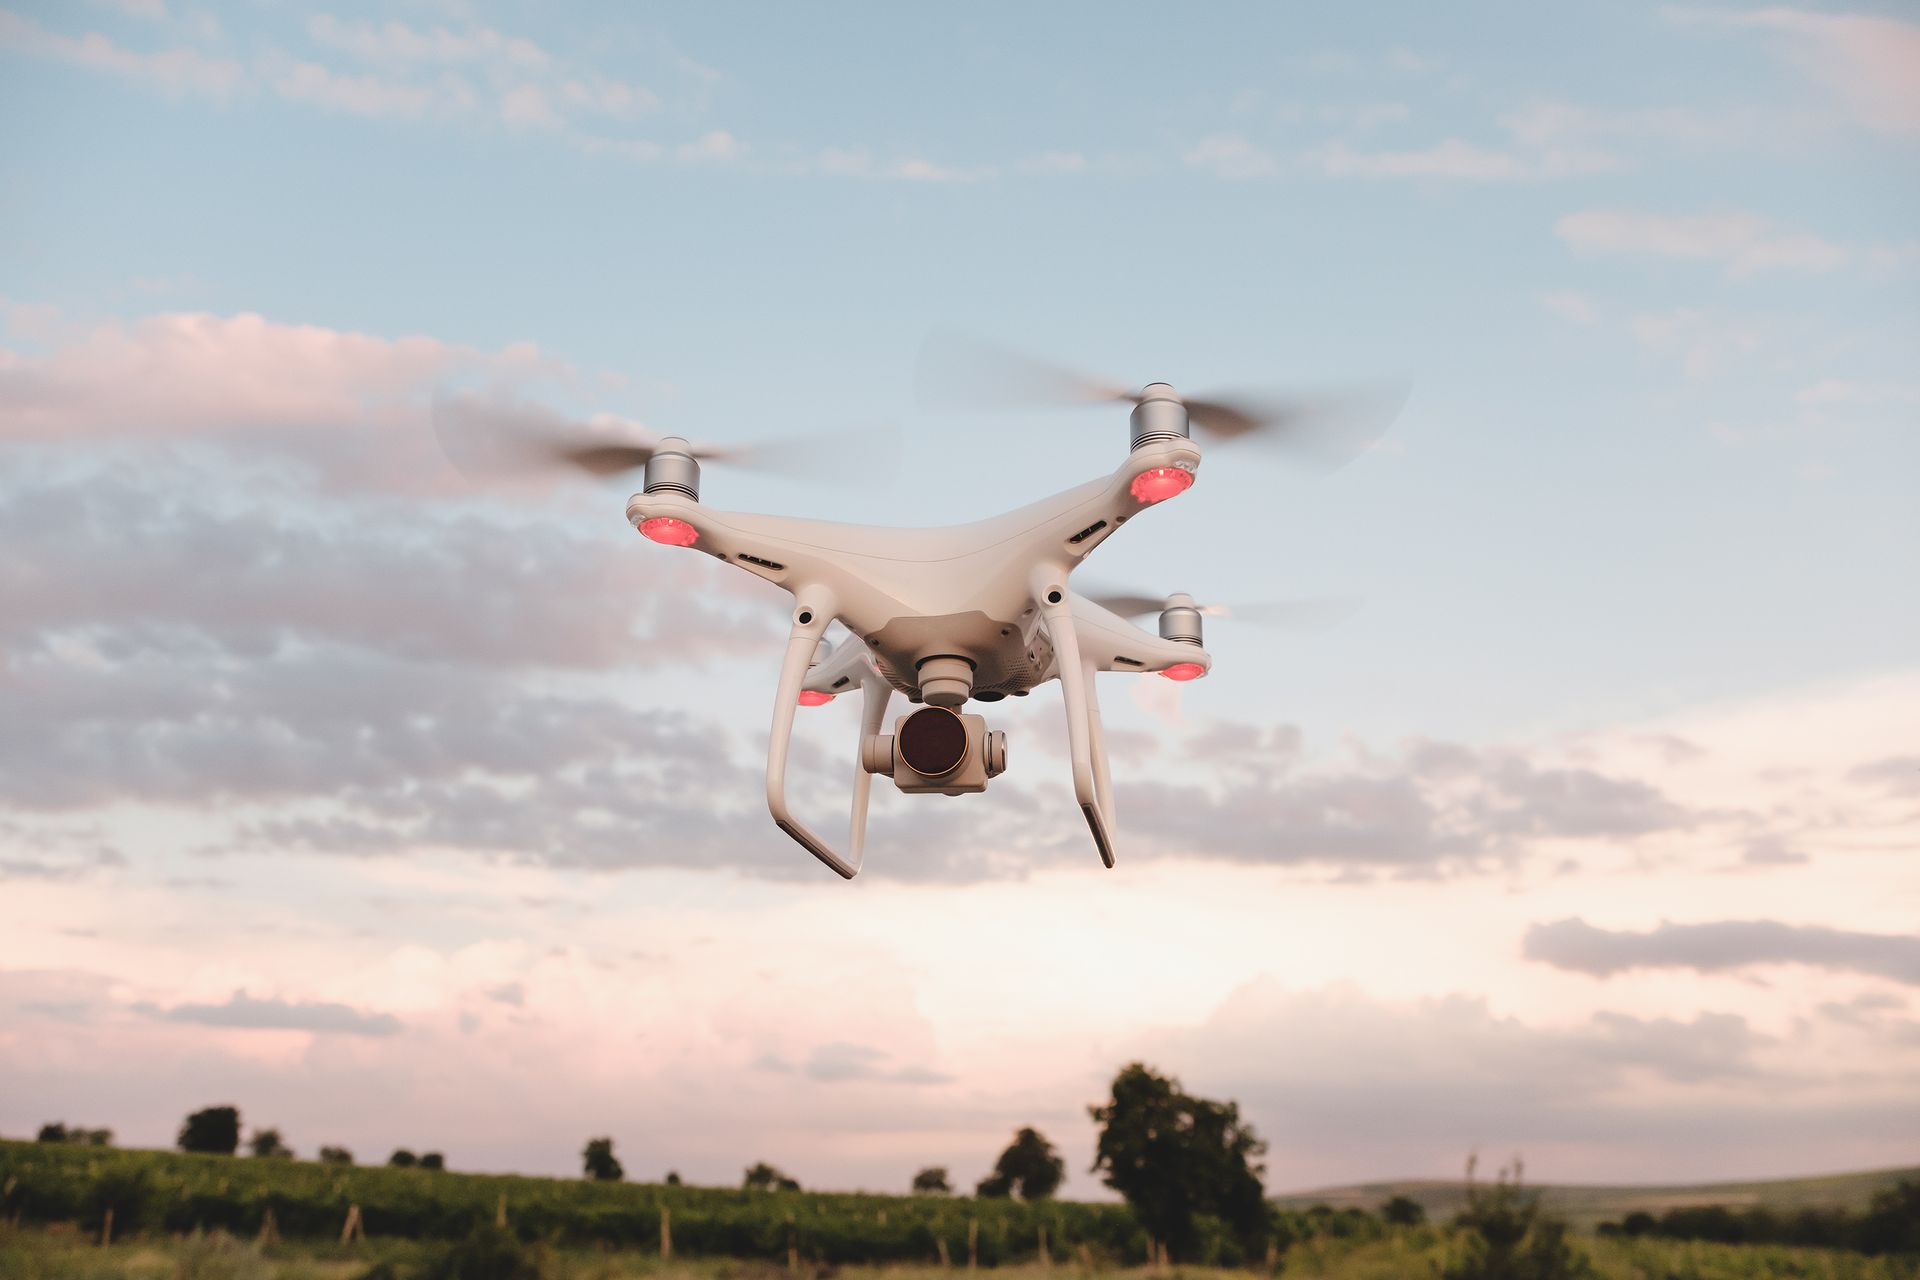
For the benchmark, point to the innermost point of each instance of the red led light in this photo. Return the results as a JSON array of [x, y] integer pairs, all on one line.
[[1184, 671], [808, 698], [675, 533], [1160, 483]]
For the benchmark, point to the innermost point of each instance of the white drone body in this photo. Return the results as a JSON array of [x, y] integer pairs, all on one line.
[[979, 611]]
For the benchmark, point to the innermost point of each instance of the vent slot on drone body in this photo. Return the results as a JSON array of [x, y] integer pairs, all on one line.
[[1127, 662], [841, 683], [1089, 531], [764, 564]]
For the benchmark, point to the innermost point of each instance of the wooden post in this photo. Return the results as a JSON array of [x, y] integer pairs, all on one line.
[[1273, 1256], [793, 1246], [269, 1229], [500, 1211], [106, 1229], [1046, 1259], [940, 1243], [973, 1243], [666, 1234], [352, 1228], [1166, 1259], [1086, 1259]]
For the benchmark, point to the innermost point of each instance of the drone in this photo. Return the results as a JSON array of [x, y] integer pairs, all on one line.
[[945, 616]]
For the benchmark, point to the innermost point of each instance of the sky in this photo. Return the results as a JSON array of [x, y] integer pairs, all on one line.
[[400, 809]]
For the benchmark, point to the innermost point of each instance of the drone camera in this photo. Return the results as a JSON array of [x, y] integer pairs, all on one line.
[[937, 749]]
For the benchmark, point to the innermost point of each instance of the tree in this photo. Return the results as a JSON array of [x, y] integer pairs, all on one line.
[[58, 1132], [1504, 1235], [335, 1155], [267, 1144], [1029, 1166], [211, 1131], [601, 1165], [432, 1160], [403, 1159], [1172, 1156], [764, 1177], [1403, 1211], [932, 1181], [673, 1178], [995, 1186]]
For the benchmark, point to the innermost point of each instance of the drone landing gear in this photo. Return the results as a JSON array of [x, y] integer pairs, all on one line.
[[1092, 786], [810, 618]]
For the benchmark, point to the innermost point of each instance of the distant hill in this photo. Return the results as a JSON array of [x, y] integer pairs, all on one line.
[[1588, 1206]]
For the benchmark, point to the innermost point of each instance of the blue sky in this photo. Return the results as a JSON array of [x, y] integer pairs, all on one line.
[[1651, 273]]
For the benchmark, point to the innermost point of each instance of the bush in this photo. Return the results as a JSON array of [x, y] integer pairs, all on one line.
[[1504, 1235], [490, 1253]]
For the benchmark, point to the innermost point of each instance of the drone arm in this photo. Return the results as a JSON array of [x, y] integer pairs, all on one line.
[[1084, 737], [813, 610]]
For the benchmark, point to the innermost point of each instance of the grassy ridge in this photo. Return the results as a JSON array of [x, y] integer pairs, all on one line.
[[173, 1192], [1587, 1206]]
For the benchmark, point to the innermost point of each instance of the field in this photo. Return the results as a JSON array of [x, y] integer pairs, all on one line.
[[42, 1255], [183, 1217], [167, 1192], [1587, 1206]]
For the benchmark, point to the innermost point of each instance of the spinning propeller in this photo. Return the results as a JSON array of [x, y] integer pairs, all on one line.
[[1306, 615], [1329, 429], [500, 437]]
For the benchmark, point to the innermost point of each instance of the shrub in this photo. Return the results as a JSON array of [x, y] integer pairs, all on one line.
[[1504, 1235], [490, 1253]]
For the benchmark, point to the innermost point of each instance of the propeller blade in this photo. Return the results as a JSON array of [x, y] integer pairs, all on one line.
[[493, 436], [1318, 614], [962, 372], [1128, 606], [1327, 430], [1315, 614], [501, 438]]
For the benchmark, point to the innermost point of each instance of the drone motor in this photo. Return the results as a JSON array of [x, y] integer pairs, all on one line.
[[1159, 415], [1181, 620], [672, 468]]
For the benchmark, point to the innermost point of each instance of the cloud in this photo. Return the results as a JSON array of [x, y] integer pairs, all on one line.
[[176, 72], [859, 162], [1743, 243], [132, 561], [475, 74], [1720, 946], [1455, 159], [1703, 343], [1231, 157], [400, 44], [245, 1011], [1572, 306], [841, 1063], [1438, 806], [1871, 64], [1771, 851], [1351, 1086], [350, 405], [1896, 775]]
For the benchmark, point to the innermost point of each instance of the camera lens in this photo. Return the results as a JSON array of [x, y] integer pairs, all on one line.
[[933, 741]]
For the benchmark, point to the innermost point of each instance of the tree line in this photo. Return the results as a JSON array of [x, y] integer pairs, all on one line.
[[1889, 1224]]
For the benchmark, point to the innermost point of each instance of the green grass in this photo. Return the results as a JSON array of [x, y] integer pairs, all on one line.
[[56, 1255], [1586, 1206]]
